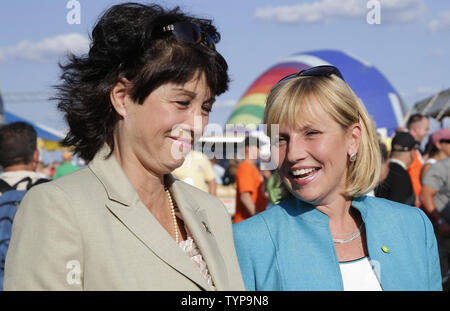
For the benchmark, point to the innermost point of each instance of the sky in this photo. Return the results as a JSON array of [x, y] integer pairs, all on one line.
[[410, 45]]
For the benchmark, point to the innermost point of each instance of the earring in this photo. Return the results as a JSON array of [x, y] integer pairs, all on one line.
[[353, 157]]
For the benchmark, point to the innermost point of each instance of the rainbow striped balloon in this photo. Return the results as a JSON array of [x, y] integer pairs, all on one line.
[[379, 97]]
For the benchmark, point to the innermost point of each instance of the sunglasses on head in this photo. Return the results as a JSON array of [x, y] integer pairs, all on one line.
[[318, 71], [190, 33]]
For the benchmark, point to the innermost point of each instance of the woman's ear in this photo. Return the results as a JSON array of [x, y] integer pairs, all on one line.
[[120, 99], [354, 133]]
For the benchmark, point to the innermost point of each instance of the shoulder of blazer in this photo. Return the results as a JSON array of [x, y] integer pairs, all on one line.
[[200, 197], [257, 230], [269, 221], [78, 183], [380, 207], [80, 189], [389, 214]]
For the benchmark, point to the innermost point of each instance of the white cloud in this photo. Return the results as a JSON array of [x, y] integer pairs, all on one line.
[[402, 11], [315, 12], [46, 49], [392, 11], [440, 24]]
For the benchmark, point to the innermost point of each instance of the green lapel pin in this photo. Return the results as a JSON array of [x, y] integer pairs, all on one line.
[[385, 249]]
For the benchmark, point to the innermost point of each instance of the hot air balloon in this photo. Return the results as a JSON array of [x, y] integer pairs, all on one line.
[[379, 97]]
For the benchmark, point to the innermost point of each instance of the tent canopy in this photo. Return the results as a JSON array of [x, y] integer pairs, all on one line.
[[48, 138], [436, 106]]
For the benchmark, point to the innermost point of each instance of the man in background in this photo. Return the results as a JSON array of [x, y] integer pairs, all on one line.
[[197, 171], [219, 171], [19, 155], [66, 167], [250, 190], [418, 126], [397, 186]]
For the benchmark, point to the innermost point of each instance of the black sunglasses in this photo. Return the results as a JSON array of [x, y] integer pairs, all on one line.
[[324, 70], [190, 33]]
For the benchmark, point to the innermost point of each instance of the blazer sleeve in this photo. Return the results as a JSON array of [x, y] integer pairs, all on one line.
[[45, 252], [244, 258], [257, 255], [224, 220]]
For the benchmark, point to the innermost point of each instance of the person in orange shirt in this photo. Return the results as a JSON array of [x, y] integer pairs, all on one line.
[[250, 190], [418, 126]]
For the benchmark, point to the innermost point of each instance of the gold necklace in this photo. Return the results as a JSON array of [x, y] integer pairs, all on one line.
[[174, 217]]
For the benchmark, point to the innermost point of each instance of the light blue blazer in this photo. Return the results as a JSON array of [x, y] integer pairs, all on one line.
[[289, 247]]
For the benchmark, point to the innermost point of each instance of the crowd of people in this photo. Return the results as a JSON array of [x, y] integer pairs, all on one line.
[[55, 169], [341, 210]]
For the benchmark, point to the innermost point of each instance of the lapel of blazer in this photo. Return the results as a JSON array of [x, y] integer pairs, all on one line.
[[125, 204], [195, 215], [382, 255]]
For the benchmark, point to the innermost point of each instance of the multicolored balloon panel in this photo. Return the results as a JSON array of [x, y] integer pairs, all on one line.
[[380, 98]]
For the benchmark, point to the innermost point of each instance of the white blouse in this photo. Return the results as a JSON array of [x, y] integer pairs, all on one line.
[[358, 275]]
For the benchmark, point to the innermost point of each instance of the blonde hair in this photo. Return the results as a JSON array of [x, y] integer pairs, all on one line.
[[288, 98]]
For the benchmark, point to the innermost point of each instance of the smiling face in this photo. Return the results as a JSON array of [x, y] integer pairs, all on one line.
[[313, 156], [322, 123], [155, 134]]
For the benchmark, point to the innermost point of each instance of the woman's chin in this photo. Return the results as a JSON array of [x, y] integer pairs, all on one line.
[[305, 195], [174, 164], [307, 198]]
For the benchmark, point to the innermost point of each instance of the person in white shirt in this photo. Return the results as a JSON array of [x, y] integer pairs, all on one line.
[[19, 155]]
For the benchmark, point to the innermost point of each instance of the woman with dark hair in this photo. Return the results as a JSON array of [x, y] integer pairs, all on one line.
[[133, 105]]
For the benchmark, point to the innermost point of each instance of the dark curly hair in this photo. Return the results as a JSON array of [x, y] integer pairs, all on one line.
[[127, 42]]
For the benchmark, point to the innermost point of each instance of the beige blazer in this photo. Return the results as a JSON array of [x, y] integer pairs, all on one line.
[[90, 231]]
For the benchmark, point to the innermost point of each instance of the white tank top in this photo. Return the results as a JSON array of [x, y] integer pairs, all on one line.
[[358, 275]]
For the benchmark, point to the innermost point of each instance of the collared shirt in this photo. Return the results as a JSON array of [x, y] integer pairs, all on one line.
[[196, 171], [399, 163], [13, 177], [397, 185]]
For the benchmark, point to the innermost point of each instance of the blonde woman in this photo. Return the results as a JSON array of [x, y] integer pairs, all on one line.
[[327, 234]]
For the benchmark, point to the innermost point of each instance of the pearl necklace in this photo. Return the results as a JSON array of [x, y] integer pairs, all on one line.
[[172, 211], [356, 235]]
